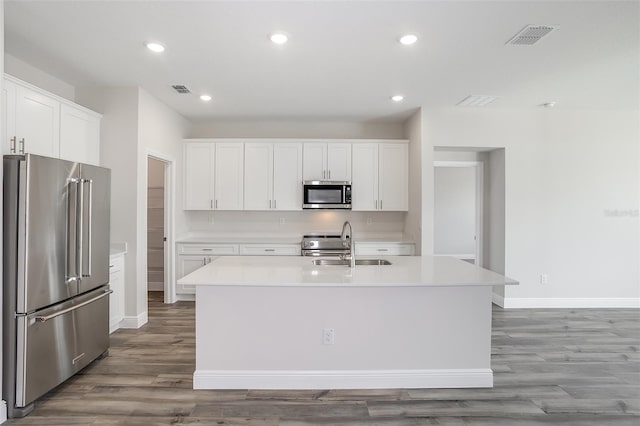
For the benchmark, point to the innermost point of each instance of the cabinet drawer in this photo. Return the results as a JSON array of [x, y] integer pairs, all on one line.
[[270, 250], [385, 249], [209, 249]]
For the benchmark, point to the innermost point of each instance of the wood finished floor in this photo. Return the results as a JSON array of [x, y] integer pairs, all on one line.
[[562, 367]]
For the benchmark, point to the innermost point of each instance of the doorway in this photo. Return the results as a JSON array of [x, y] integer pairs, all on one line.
[[160, 208], [155, 225], [458, 210]]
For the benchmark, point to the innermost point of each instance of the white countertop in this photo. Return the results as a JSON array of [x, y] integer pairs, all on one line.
[[289, 271]]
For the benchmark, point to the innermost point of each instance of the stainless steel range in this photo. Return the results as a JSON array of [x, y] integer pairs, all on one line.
[[324, 245]]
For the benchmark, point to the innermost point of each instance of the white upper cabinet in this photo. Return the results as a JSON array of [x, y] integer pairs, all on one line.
[[273, 176], [364, 186], [393, 176], [35, 121], [287, 176], [229, 176], [258, 176], [327, 161], [198, 176], [213, 176], [79, 135], [380, 177], [41, 123]]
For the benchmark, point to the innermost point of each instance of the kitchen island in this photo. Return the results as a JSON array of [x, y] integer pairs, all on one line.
[[285, 323]]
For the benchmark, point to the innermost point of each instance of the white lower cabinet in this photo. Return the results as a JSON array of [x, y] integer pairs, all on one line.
[[385, 249], [270, 249], [116, 284], [195, 256]]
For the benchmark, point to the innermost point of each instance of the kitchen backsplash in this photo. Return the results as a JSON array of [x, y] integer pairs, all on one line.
[[290, 223]]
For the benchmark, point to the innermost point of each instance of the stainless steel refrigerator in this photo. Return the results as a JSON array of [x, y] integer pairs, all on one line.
[[55, 273]]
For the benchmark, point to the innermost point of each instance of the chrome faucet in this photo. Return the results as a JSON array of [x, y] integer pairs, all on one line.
[[349, 244]]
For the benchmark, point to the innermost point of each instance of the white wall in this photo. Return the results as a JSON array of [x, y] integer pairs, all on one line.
[[413, 222], [160, 133], [296, 224], [119, 152], [37, 77], [565, 173], [297, 129], [455, 210]]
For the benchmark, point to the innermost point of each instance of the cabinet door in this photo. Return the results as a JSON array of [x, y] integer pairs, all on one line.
[[116, 300], [37, 122], [198, 176], [229, 176], [287, 176], [186, 265], [394, 188], [364, 186], [79, 135], [258, 176], [314, 161], [9, 143], [339, 161]]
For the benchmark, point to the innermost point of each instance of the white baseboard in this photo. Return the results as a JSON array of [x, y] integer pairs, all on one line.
[[573, 302], [342, 379], [186, 297], [3, 411], [497, 299], [135, 322]]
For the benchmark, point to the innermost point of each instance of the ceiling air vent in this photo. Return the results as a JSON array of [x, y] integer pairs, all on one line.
[[180, 88], [477, 100], [531, 34]]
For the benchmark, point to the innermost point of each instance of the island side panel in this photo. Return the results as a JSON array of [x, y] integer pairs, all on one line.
[[272, 337]]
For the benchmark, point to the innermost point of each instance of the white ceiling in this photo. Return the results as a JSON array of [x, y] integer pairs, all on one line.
[[343, 60]]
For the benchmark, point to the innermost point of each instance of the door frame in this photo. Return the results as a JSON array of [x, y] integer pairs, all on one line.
[[169, 220], [479, 169]]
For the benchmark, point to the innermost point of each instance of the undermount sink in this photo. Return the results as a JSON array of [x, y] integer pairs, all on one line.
[[339, 262]]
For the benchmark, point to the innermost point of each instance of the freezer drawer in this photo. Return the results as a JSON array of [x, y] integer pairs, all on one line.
[[55, 343]]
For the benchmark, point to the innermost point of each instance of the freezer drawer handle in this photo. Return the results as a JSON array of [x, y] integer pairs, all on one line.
[[73, 308]]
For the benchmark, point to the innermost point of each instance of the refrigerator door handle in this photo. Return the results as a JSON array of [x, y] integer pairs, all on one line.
[[72, 308], [86, 238], [80, 228], [73, 230]]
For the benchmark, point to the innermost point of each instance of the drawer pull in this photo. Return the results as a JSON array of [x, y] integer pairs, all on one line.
[[207, 249], [269, 249], [73, 308], [383, 249]]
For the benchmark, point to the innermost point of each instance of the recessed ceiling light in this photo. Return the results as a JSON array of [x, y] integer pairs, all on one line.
[[408, 39], [279, 38], [155, 47], [548, 104], [205, 98], [397, 98]]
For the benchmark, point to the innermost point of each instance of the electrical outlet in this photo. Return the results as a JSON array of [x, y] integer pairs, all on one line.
[[211, 221], [369, 221], [544, 279], [282, 221], [328, 336]]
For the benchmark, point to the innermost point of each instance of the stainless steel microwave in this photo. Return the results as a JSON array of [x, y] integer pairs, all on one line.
[[321, 194]]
